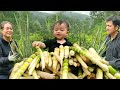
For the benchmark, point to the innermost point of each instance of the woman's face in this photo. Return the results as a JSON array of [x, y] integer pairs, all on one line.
[[7, 30]]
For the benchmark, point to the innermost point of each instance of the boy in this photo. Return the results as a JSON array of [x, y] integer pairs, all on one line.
[[60, 32]]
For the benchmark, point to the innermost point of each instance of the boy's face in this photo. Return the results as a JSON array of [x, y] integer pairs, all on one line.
[[60, 31], [110, 28]]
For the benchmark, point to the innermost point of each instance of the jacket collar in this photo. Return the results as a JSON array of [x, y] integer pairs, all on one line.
[[4, 41], [117, 36]]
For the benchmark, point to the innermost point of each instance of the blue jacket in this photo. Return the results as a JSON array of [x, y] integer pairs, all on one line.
[[5, 64], [113, 51]]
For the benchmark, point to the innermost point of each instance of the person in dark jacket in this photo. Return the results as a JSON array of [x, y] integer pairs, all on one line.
[[7, 51], [60, 32], [112, 52]]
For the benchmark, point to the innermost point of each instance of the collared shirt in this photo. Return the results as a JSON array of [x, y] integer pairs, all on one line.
[[113, 51], [51, 44]]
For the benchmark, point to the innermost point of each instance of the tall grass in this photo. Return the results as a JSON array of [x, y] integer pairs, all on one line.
[[79, 33], [24, 44]]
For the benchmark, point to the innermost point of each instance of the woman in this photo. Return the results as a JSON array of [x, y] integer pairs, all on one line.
[[7, 49]]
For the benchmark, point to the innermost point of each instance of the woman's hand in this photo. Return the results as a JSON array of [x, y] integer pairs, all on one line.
[[12, 57]]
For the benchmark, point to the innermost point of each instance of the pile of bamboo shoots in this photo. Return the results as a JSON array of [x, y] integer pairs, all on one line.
[[56, 65]]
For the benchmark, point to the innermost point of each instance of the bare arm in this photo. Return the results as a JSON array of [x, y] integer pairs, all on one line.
[[38, 43]]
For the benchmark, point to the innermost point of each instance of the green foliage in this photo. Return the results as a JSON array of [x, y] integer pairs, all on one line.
[[32, 26]]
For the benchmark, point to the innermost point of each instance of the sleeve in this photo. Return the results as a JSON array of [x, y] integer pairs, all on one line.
[[115, 62], [69, 43], [47, 43], [3, 59]]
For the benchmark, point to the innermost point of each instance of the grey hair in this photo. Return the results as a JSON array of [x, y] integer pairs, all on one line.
[[3, 23]]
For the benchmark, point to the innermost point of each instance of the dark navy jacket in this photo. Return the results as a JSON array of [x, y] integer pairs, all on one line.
[[5, 64], [113, 51]]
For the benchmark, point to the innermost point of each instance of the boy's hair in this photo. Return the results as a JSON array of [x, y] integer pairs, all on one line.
[[3, 23], [114, 20], [61, 22]]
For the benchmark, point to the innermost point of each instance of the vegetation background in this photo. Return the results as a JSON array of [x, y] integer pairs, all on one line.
[[86, 30]]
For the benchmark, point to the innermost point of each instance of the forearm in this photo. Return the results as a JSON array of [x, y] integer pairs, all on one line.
[[115, 63], [42, 45], [3, 60], [112, 63], [38, 43]]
